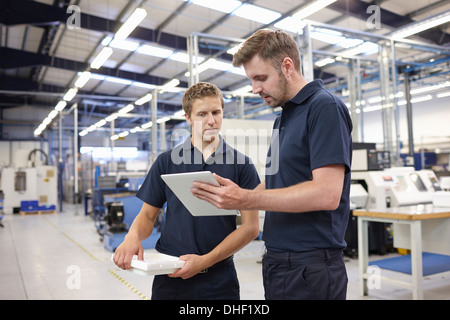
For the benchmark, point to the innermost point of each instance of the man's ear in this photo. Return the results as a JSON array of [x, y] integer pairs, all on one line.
[[188, 119], [287, 66]]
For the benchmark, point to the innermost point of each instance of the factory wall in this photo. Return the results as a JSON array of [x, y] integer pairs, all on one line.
[[431, 122]]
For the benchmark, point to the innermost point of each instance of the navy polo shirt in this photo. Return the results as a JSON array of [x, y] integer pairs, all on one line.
[[314, 130], [182, 232]]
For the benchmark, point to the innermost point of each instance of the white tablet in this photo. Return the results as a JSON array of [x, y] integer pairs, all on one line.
[[181, 183]]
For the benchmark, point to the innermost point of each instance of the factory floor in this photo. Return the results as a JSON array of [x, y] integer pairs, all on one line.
[[60, 256]]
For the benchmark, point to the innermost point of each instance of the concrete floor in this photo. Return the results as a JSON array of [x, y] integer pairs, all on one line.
[[60, 256]]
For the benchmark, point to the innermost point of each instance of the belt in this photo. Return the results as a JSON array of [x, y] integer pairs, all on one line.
[[218, 264], [305, 258]]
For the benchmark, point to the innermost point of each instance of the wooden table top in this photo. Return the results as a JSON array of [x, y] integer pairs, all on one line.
[[416, 212]]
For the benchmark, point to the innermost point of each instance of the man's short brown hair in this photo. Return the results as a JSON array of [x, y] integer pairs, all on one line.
[[271, 46], [198, 91]]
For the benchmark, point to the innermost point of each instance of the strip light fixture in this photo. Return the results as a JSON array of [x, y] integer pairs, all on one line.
[[311, 9], [417, 27], [101, 57], [124, 31], [294, 23], [132, 22]]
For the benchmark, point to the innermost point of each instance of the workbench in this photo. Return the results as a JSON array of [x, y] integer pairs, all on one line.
[[418, 228]]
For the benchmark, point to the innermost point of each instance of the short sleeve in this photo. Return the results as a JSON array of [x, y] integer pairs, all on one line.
[[152, 190], [330, 127]]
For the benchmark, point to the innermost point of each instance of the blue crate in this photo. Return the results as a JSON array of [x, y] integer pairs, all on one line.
[[29, 205]]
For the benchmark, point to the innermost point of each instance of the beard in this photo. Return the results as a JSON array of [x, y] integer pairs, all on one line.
[[278, 98]]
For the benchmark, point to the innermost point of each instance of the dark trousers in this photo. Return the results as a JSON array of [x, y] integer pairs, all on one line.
[[219, 282], [313, 275]]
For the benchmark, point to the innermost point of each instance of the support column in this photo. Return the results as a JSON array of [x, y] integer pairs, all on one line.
[[306, 53], [354, 88], [386, 111], [154, 141]]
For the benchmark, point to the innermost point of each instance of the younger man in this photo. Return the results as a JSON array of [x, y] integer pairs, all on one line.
[[206, 244]]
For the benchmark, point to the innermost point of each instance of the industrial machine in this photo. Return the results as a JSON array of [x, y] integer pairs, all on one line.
[[29, 180], [392, 187], [114, 217], [25, 184], [396, 187], [120, 211]]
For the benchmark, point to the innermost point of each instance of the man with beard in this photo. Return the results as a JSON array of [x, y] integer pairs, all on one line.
[[307, 198]]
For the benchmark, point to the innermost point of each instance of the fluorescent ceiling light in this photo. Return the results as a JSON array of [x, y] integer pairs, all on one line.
[[111, 117], [124, 134], [182, 57], [61, 105], [324, 62], [431, 88], [417, 27], [144, 85], [119, 80], [83, 133], [143, 99], [120, 44], [226, 6], [52, 114], [147, 125], [170, 85], [124, 44], [83, 78], [418, 99], [70, 94], [350, 43], [366, 48], [328, 36], [443, 95], [212, 64], [100, 123], [164, 119], [97, 76], [101, 57], [376, 99], [311, 9], [132, 22], [179, 113], [126, 109], [154, 51], [290, 24], [47, 121], [256, 13], [115, 137], [136, 129]]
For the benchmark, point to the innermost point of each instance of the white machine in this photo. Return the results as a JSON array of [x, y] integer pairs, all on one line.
[[358, 196], [401, 186], [25, 184], [440, 196]]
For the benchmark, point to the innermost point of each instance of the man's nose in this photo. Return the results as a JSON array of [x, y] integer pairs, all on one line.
[[256, 88], [211, 119]]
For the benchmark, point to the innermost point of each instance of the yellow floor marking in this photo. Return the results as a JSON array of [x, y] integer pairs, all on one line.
[[129, 285]]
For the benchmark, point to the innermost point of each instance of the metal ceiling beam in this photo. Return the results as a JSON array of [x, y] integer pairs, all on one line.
[[13, 58]]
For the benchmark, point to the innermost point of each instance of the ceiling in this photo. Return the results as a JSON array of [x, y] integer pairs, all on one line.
[[41, 57]]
